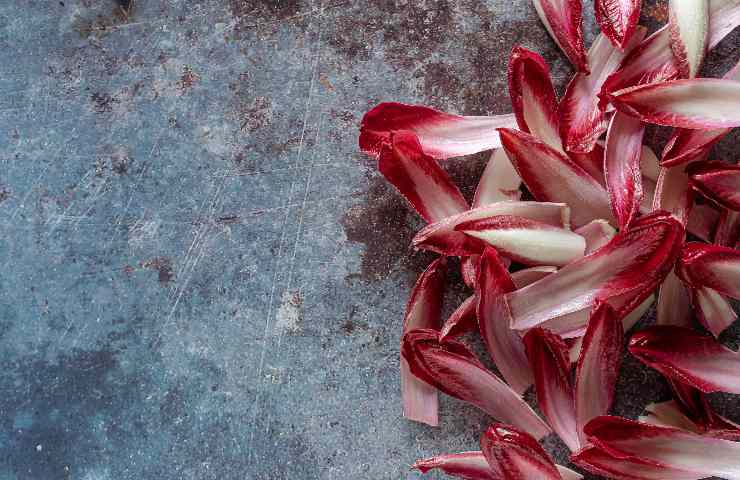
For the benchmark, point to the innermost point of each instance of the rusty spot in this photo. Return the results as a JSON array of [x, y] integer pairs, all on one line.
[[409, 33], [101, 25], [103, 102], [657, 11], [256, 115], [187, 80], [385, 225], [325, 82], [249, 13], [163, 265]]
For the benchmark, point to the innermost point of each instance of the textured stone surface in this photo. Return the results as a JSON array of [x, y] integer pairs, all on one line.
[[203, 278]]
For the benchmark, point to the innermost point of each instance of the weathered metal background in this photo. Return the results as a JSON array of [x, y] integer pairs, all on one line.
[[202, 277]]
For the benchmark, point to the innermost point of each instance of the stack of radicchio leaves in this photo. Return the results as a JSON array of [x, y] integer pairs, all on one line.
[[607, 230]]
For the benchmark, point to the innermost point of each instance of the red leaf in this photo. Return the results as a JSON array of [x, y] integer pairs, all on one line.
[[562, 18], [618, 19], [711, 266], [622, 167], [694, 359], [548, 356], [598, 366], [526, 241], [677, 451], [466, 465], [630, 266], [600, 462], [689, 27], [553, 177], [581, 117], [420, 179], [714, 311], [499, 181], [504, 345], [516, 454], [718, 181], [441, 135], [441, 237], [527, 276], [454, 369], [423, 311], [462, 320], [698, 103], [533, 97]]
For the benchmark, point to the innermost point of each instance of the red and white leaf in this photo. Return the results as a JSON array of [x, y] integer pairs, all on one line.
[[689, 27], [420, 179], [527, 241], [601, 462], [597, 234], [533, 97], [441, 135], [618, 19], [516, 454], [455, 370], [702, 265], [528, 276], [598, 366], [652, 61], [695, 359], [628, 322], [631, 266], [462, 320], [703, 220], [548, 356], [724, 16], [441, 237], [677, 451], [499, 181], [562, 19], [713, 310], [698, 103], [673, 193], [649, 164], [504, 345], [469, 269], [553, 177], [694, 404], [622, 167], [592, 162], [728, 229], [688, 145], [581, 117], [473, 466], [718, 181], [670, 414], [674, 303], [465, 465], [423, 311]]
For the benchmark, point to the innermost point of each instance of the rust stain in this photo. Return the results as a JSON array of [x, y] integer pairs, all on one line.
[[103, 102], [101, 25], [187, 81], [385, 225], [256, 115], [163, 265], [656, 11]]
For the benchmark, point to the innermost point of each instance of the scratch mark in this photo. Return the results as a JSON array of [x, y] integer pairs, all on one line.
[[271, 300]]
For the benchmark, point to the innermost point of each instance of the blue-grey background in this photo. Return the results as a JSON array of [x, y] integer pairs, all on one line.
[[202, 277]]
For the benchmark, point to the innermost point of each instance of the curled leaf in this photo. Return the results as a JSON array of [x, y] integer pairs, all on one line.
[[618, 19], [562, 18]]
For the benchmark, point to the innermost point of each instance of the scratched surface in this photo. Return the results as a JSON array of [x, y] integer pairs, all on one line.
[[202, 277]]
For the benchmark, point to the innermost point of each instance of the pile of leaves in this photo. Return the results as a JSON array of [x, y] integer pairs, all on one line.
[[557, 281]]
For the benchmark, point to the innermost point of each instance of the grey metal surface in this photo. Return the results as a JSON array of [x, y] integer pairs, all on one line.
[[202, 277]]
